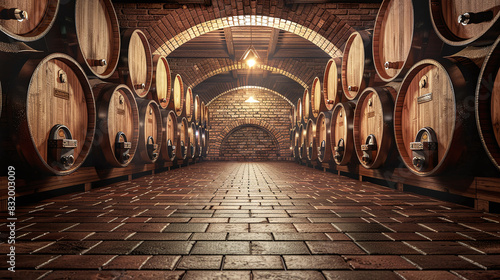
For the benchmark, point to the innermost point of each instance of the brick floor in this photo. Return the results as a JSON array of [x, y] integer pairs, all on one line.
[[226, 220]]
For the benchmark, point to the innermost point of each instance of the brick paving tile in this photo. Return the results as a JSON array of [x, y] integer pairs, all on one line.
[[300, 236], [142, 227], [163, 248], [360, 227], [161, 262], [250, 236], [386, 248], [248, 220], [427, 275], [228, 228], [336, 220], [67, 247], [73, 236], [367, 236], [477, 274], [272, 228], [221, 248], [334, 247], [287, 275], [109, 236], [167, 236], [289, 220], [95, 227], [169, 220], [145, 274], [200, 262], [442, 248], [113, 247], [378, 262], [484, 261], [315, 262], [209, 236], [78, 262], [253, 262], [444, 236], [126, 262], [360, 275], [211, 275], [186, 227], [209, 220], [405, 236], [26, 247], [278, 248], [47, 227], [486, 247], [487, 227], [480, 236], [444, 227], [436, 262], [27, 261], [23, 274], [316, 227]]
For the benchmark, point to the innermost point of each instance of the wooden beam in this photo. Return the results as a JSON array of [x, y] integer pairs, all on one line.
[[228, 35], [273, 42]]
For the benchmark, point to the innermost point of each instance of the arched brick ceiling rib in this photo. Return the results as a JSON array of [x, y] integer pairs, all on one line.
[[253, 87]]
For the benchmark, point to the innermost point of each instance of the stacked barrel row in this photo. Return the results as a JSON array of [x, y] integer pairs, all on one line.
[[76, 90], [422, 89]]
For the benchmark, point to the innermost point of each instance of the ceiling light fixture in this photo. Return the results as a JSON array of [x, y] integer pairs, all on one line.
[[250, 56], [252, 100]]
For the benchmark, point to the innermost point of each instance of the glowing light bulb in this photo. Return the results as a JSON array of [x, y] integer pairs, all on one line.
[[251, 62]]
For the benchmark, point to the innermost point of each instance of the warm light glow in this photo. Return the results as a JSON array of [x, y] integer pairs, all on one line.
[[251, 100], [251, 62]]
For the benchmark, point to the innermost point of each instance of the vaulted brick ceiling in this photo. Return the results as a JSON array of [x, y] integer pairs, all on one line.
[[204, 42]]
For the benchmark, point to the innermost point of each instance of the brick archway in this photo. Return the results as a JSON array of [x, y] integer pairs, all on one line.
[[247, 87], [246, 149]]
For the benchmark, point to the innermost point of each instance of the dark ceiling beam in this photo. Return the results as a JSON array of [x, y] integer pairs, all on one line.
[[273, 42], [228, 36]]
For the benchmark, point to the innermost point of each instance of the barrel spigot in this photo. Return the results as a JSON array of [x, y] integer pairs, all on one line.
[[468, 18], [140, 86], [392, 65], [14, 13], [352, 88], [97, 62]]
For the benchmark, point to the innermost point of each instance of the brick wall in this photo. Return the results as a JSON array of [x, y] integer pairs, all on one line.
[[249, 143], [230, 115]]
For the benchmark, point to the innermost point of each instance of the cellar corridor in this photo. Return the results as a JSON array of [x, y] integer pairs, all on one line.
[[236, 220]]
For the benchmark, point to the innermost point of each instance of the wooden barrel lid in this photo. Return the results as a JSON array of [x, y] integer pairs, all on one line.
[[58, 93], [118, 113], [197, 110], [40, 16], [98, 34], [182, 138], [373, 118], [139, 66], [169, 138], [454, 21], [317, 103], [188, 105], [341, 133], [311, 145], [150, 130], [161, 83], [178, 92], [356, 63], [332, 86], [306, 108], [323, 135], [488, 104]]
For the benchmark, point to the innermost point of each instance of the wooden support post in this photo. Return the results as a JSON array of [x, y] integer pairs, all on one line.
[[88, 186], [361, 178], [482, 205]]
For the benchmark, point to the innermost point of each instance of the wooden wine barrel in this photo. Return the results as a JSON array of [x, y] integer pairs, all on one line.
[[27, 21], [302, 142], [199, 146], [332, 85], [306, 107], [197, 110], [169, 138], [203, 142], [207, 143], [342, 124], [358, 71], [161, 83], [373, 130], [323, 135], [460, 23], [299, 111], [193, 140], [402, 36], [433, 125], [202, 113], [312, 146], [135, 68], [488, 104], [178, 92], [51, 115], [188, 105], [117, 135], [88, 30], [317, 102], [182, 139], [207, 116], [150, 131]]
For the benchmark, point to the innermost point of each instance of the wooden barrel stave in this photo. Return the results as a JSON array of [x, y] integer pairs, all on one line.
[[193, 140], [188, 104], [317, 102], [302, 142], [178, 95], [150, 131], [182, 139], [342, 142], [169, 138], [197, 110], [299, 111], [332, 85], [311, 144], [323, 134], [161, 84], [306, 106]]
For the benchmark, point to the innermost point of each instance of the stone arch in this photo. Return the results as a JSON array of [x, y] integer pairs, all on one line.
[[270, 152]]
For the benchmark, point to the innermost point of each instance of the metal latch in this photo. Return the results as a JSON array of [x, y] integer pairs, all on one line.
[[424, 149], [339, 150], [183, 149], [122, 147], [321, 149], [170, 149], [152, 148], [192, 149], [369, 149], [61, 146]]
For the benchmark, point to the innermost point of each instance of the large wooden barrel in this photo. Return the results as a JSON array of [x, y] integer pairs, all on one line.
[[342, 141], [135, 68], [403, 35], [317, 102], [206, 117], [88, 30], [299, 111], [161, 83], [488, 104], [302, 142], [150, 131], [323, 135], [332, 85], [27, 21], [207, 142], [306, 106], [169, 138], [178, 92], [358, 71], [197, 110], [188, 105], [460, 23], [373, 129], [311, 145], [203, 108], [434, 125], [193, 140], [51, 115], [182, 139], [117, 134], [199, 139]]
